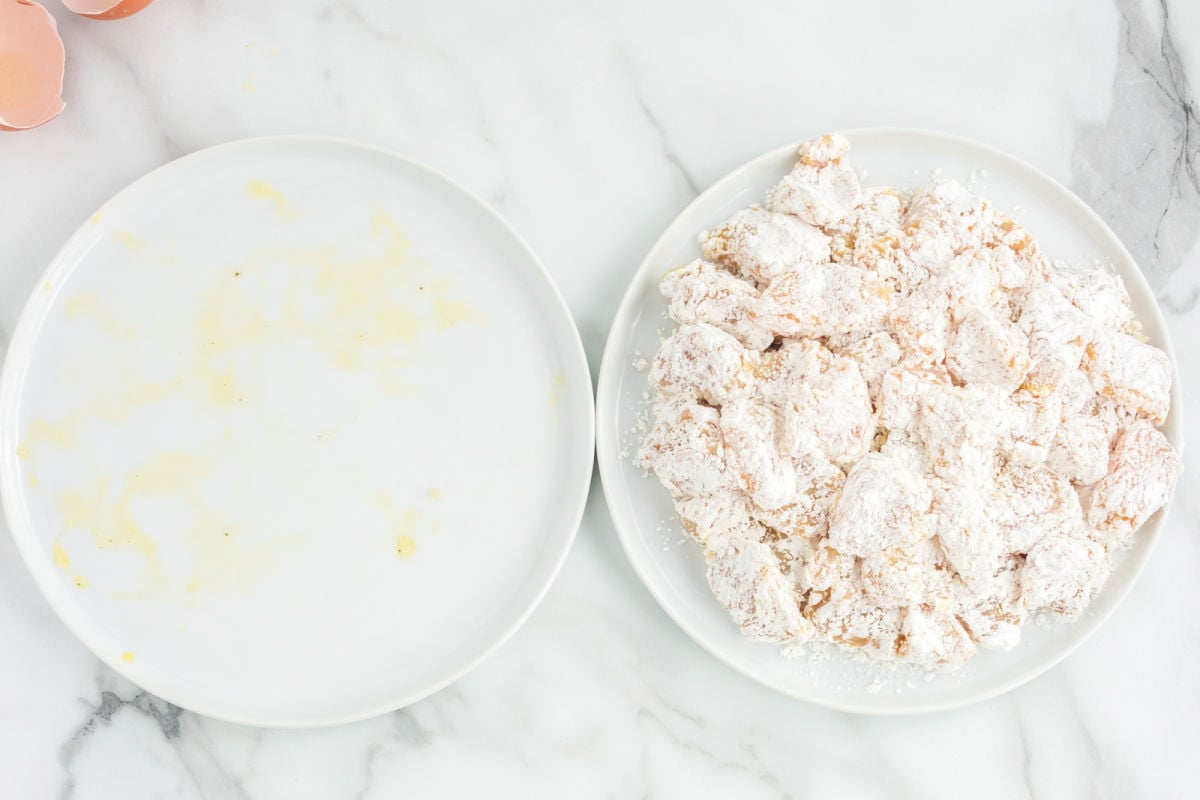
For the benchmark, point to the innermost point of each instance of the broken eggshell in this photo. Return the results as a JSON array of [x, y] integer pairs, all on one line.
[[106, 9], [31, 66]]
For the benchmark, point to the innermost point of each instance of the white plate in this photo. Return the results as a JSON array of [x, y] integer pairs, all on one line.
[[308, 422], [674, 573]]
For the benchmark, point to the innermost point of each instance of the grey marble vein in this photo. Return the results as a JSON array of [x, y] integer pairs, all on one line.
[[1096, 765], [1140, 167], [165, 715], [356, 14], [660, 132], [498, 196], [1174, 303], [141, 99], [1026, 751], [755, 769], [197, 761], [405, 732]]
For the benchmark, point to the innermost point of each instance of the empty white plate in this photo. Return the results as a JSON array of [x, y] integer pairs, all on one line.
[[294, 431], [674, 570]]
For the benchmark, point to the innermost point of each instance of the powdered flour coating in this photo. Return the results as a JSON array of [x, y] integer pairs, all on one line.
[[894, 426]]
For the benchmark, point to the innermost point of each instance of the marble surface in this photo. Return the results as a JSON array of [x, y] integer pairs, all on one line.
[[590, 125]]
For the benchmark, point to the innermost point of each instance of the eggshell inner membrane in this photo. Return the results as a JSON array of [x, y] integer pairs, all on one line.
[[31, 65], [106, 9]]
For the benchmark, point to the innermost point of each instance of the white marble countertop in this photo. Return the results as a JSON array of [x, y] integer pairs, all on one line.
[[590, 125]]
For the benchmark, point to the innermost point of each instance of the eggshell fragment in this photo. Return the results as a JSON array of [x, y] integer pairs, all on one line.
[[31, 66], [106, 9]]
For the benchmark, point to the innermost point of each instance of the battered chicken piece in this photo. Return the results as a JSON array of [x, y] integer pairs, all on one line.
[[1063, 572], [1030, 424], [901, 390], [906, 448], [745, 578], [1080, 451], [1135, 375], [985, 349], [830, 414], [943, 220], [970, 538], [1075, 393], [1100, 295], [823, 300], [829, 577], [822, 188], [1057, 333], [705, 514], [961, 426], [905, 576], [700, 362], [795, 362], [1013, 255], [754, 453], [872, 238], [761, 245], [1030, 503], [1142, 474], [858, 624], [993, 618], [875, 355], [818, 481], [935, 639], [921, 323], [792, 553], [883, 505], [700, 292], [971, 286], [686, 450]]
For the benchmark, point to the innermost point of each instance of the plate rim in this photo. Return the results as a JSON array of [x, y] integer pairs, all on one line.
[[18, 356], [608, 445]]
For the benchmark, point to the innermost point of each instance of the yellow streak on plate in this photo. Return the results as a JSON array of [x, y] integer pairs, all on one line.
[[130, 242], [406, 526], [451, 313], [557, 384], [63, 561], [228, 559], [261, 190], [63, 431], [219, 556], [88, 306], [108, 516], [60, 556], [405, 546], [366, 312]]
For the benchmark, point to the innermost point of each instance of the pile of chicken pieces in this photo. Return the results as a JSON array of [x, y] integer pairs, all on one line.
[[893, 425]]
